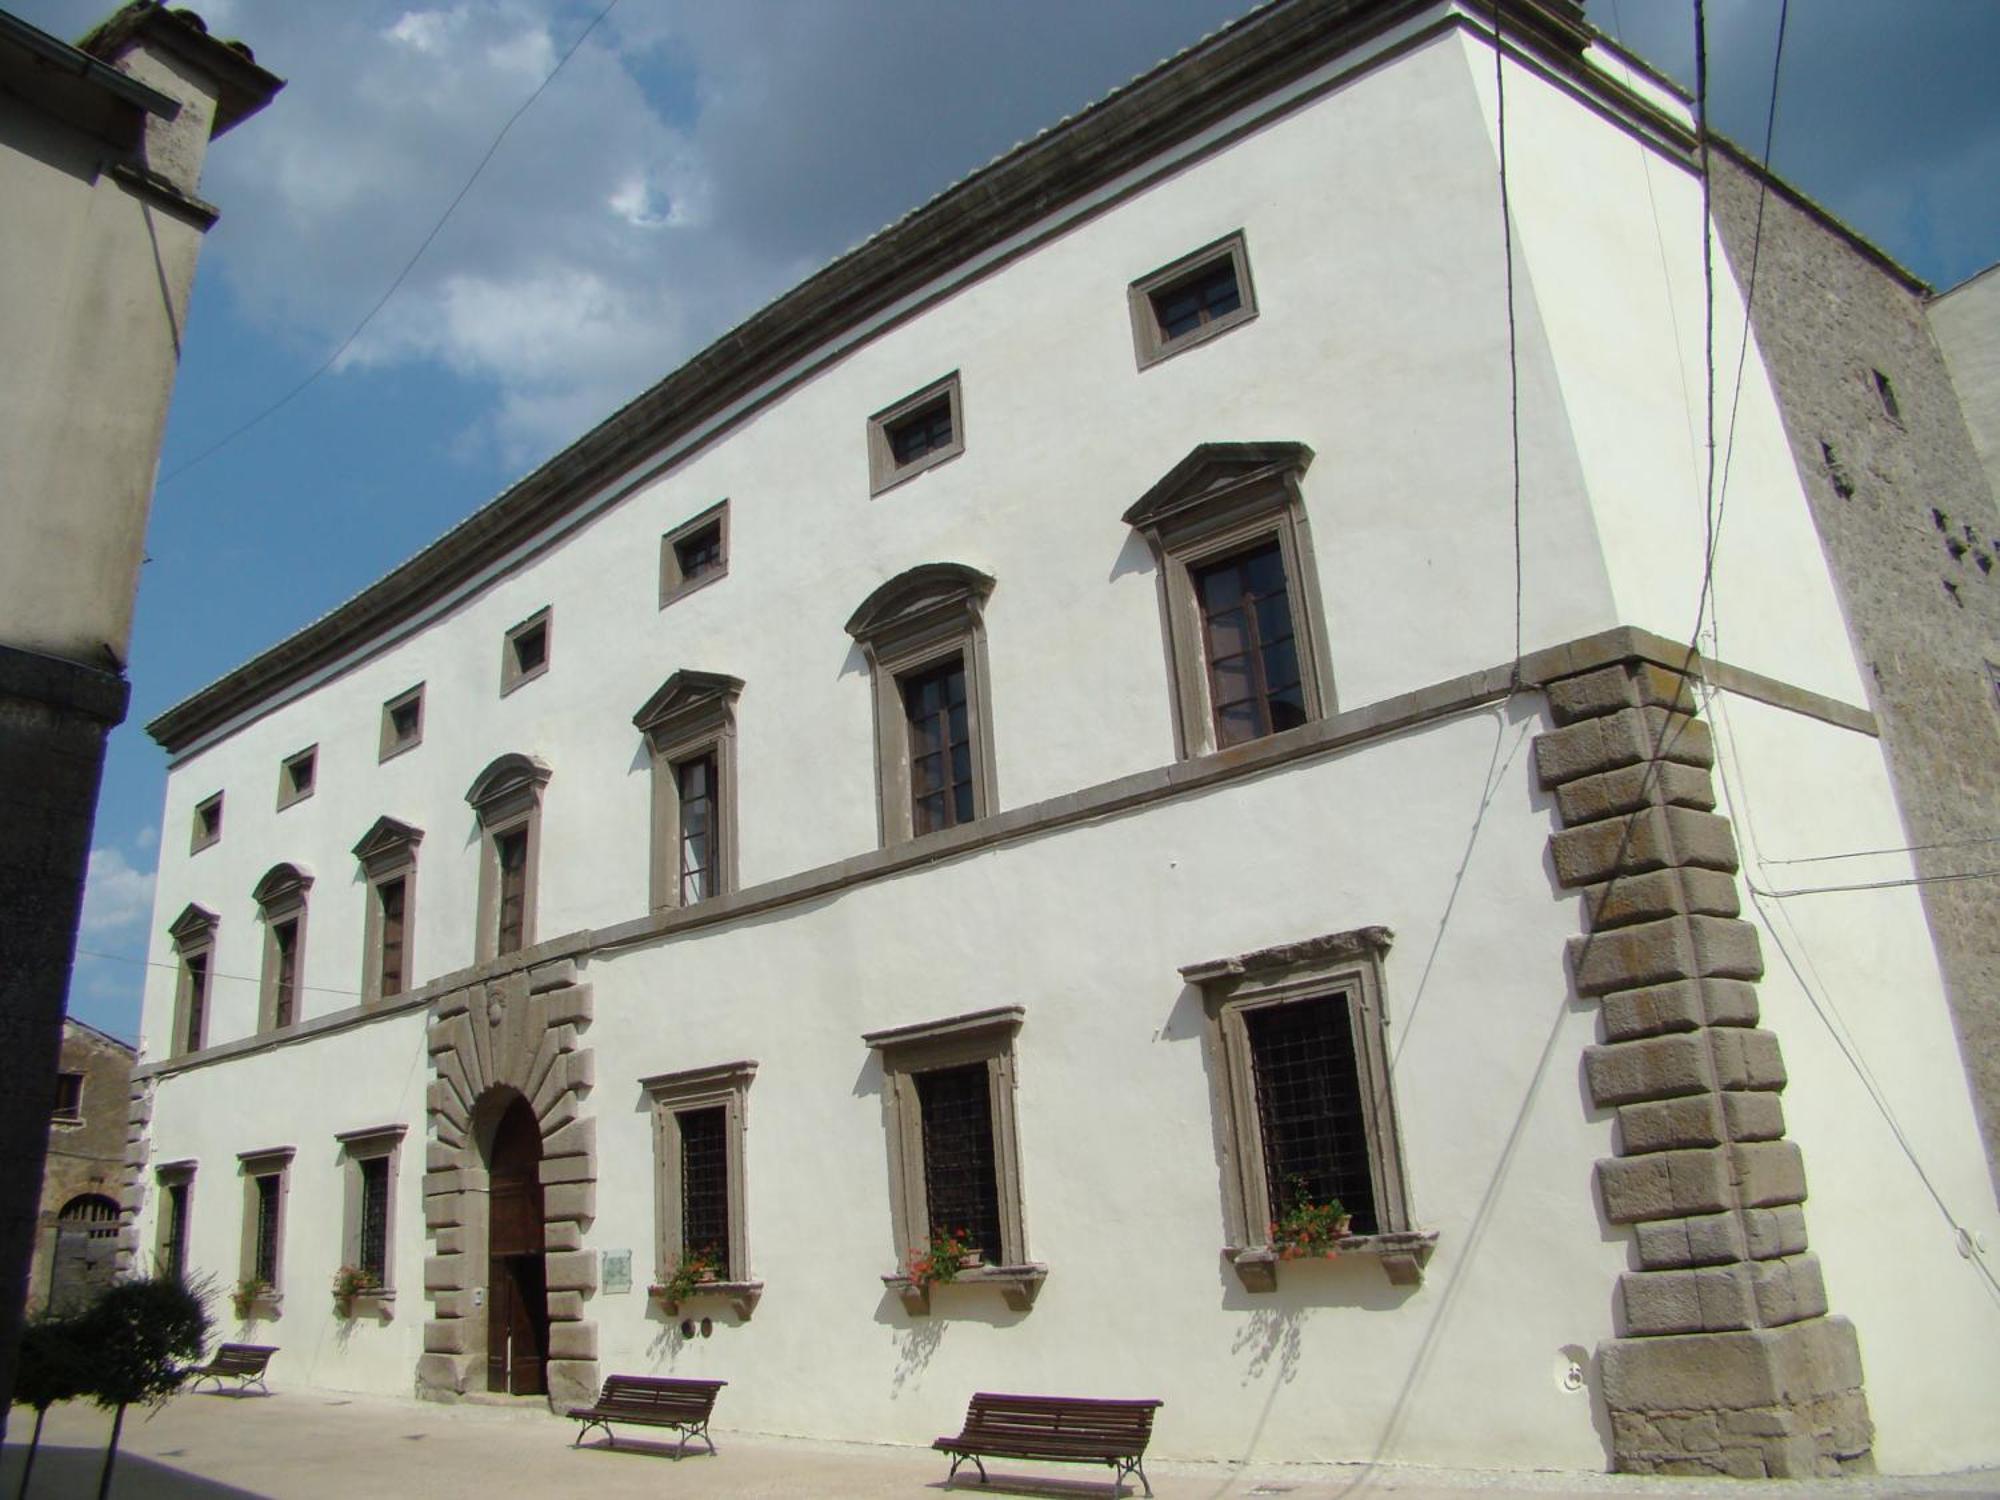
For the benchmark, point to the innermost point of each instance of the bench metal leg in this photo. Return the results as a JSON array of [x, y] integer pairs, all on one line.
[[959, 1458], [1120, 1467], [584, 1431]]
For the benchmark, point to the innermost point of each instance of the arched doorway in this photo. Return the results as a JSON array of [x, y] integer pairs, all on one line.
[[517, 1297], [86, 1251]]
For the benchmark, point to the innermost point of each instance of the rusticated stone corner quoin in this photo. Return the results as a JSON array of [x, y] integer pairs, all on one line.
[[518, 1031], [1728, 1362]]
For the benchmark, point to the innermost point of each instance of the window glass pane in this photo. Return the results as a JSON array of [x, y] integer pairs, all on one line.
[[197, 1006], [1254, 684], [511, 852], [696, 781], [391, 893], [940, 740], [375, 1217], [1309, 1108], [960, 1187], [705, 1183], [266, 1267], [285, 1002]]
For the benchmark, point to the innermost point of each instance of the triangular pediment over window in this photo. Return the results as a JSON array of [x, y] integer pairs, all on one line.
[[1214, 479], [916, 593], [687, 695], [507, 776], [281, 883], [387, 836], [193, 922]]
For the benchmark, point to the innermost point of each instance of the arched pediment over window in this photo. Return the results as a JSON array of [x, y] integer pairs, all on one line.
[[194, 922], [916, 594], [387, 836], [508, 775], [281, 883]]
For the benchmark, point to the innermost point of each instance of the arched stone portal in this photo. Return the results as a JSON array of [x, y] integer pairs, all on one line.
[[506, 1099]]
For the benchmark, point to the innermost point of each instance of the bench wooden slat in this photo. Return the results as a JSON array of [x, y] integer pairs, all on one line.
[[243, 1363], [1056, 1429], [652, 1401]]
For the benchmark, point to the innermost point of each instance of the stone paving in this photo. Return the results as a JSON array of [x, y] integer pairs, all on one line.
[[304, 1444]]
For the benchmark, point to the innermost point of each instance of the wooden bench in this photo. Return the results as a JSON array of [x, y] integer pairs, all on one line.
[[651, 1401], [1059, 1429], [243, 1363]]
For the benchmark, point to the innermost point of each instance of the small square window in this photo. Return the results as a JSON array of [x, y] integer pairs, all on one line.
[[1191, 301], [296, 776], [919, 432], [69, 1097], [403, 722], [526, 653], [695, 554], [207, 823]]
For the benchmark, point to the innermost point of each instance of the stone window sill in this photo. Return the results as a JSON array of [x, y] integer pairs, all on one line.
[[380, 1304], [742, 1296], [269, 1306], [1017, 1285], [1403, 1255]]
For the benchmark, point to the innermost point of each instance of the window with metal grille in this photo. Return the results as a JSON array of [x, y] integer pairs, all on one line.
[[696, 782], [1309, 1108], [700, 554], [705, 1183], [374, 1247], [69, 1096], [391, 894], [934, 703], [510, 850], [1210, 293], [285, 1001], [174, 1254], [1253, 660], [197, 1001], [960, 1187], [264, 1263], [922, 432]]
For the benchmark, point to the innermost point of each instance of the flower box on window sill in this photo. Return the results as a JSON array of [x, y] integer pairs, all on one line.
[[741, 1296], [1402, 1253], [378, 1303], [258, 1308], [1017, 1285]]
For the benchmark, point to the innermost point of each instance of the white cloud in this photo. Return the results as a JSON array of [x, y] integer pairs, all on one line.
[[116, 896]]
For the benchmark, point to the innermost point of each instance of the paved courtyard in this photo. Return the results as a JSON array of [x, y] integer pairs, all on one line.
[[303, 1444]]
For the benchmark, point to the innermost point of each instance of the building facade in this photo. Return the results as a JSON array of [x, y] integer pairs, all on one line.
[[101, 150], [83, 1186], [1149, 709]]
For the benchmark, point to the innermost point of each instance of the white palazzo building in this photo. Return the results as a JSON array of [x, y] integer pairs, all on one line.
[[1065, 730]]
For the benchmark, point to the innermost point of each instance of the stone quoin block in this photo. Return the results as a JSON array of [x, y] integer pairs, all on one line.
[[1747, 1058], [1705, 1240], [1664, 1185], [1650, 839], [1652, 1010], [551, 977], [570, 1200], [1654, 1068], [1630, 788], [1630, 737], [1789, 1290], [1753, 1117], [1771, 1232], [565, 1307], [572, 1340], [1729, 1002], [1631, 957], [1730, 1371], [571, 1270], [555, 1169], [572, 1382], [1625, 685], [440, 1376], [1707, 1298], [443, 1211], [448, 1241], [562, 1234], [1768, 1173], [1671, 1124], [444, 1336], [444, 1273], [1625, 899], [570, 1006], [576, 1138], [1724, 949]]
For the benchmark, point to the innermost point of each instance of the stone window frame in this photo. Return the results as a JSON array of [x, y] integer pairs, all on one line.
[[68, 1111], [281, 898], [507, 797], [1348, 964], [376, 1142], [387, 852], [1150, 343], [984, 1036], [673, 583], [166, 1177], [193, 932], [1219, 501], [725, 1086], [920, 618], [512, 673], [692, 714], [271, 1161], [207, 826], [291, 790], [884, 472], [393, 742]]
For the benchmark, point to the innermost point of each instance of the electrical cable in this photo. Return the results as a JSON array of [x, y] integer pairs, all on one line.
[[1513, 342], [401, 276], [1814, 859], [150, 963]]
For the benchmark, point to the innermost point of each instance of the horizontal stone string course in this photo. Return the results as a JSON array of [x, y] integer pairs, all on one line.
[[1727, 1361]]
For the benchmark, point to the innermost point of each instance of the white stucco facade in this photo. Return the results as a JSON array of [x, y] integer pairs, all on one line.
[[1367, 196]]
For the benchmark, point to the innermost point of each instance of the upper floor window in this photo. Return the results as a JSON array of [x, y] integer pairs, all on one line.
[[917, 433], [402, 722], [1192, 300], [296, 776], [924, 635], [507, 799], [281, 897], [388, 857], [1245, 638], [193, 934], [690, 730], [207, 823], [69, 1098], [524, 655], [694, 554]]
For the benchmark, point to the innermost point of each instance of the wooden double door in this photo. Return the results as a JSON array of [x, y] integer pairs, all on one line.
[[517, 1294]]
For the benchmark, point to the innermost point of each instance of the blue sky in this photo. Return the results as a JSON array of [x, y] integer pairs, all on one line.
[[692, 161]]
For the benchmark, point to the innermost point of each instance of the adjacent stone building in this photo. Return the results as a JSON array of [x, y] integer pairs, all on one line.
[[1180, 708], [84, 1184]]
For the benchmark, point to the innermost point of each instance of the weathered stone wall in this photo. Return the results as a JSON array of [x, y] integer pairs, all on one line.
[[520, 1032], [1913, 542], [1727, 1362], [86, 1155]]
